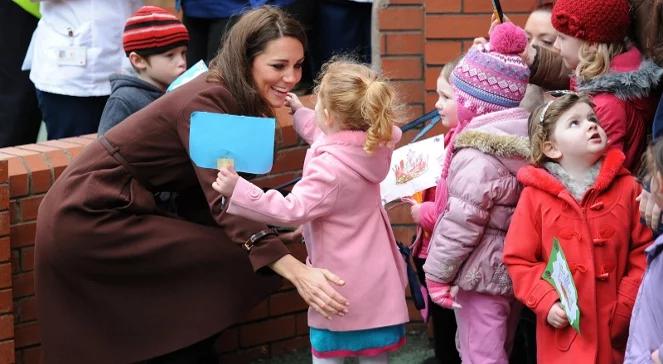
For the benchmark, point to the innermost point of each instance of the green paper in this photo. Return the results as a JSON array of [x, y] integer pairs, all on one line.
[[559, 275]]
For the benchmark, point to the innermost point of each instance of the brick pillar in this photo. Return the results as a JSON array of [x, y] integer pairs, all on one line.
[[6, 312]]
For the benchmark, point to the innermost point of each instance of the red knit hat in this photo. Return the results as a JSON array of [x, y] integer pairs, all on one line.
[[153, 30], [601, 21]]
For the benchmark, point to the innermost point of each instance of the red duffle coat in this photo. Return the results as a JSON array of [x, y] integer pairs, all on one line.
[[604, 242]]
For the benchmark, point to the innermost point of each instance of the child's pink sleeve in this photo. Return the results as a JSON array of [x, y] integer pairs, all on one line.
[[427, 215], [304, 122], [523, 256], [313, 196]]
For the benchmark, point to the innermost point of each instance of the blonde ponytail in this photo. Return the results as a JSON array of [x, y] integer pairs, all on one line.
[[360, 99]]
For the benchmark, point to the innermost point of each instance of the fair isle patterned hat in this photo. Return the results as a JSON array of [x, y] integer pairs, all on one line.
[[153, 30], [492, 77]]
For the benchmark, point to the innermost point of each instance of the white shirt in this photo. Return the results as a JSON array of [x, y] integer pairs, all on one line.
[[94, 28]]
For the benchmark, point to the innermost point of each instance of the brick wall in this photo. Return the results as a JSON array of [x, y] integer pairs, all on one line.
[[416, 38]]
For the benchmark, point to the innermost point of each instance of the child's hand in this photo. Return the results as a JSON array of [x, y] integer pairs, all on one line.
[[442, 294], [557, 317], [225, 181], [292, 101], [655, 358], [415, 209]]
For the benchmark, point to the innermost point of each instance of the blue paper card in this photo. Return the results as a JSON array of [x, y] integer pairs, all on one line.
[[248, 140], [188, 75]]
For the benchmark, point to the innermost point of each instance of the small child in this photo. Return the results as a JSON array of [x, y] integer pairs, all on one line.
[[645, 340], [156, 43], [478, 192], [346, 229], [580, 194], [622, 83]]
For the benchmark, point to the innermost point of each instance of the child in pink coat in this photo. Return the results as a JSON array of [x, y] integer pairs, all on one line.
[[346, 229]]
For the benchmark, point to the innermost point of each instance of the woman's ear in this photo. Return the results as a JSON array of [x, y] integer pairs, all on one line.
[[550, 150]]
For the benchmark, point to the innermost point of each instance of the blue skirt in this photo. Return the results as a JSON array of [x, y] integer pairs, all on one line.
[[371, 342]]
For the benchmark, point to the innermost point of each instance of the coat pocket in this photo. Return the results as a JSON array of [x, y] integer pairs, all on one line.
[[565, 337]]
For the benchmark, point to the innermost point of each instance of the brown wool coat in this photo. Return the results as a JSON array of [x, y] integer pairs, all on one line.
[[119, 281]]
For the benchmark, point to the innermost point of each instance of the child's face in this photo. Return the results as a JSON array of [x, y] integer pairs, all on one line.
[[577, 137], [569, 48], [163, 68], [446, 105]]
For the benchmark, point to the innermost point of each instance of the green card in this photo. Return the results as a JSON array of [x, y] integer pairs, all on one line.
[[559, 275]]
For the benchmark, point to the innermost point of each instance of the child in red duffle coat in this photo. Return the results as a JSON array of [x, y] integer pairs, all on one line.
[[581, 195]]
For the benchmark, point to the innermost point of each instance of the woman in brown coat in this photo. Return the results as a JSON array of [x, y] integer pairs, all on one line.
[[120, 281]]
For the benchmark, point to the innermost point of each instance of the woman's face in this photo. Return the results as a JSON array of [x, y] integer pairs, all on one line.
[[446, 105], [539, 29], [277, 69], [569, 48]]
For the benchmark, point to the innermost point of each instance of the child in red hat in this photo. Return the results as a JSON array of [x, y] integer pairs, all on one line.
[[156, 43], [592, 42]]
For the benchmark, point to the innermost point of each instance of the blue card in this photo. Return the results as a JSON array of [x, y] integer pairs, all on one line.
[[248, 140], [188, 75]]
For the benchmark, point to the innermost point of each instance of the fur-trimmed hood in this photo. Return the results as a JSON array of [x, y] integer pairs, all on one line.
[[630, 77], [502, 134]]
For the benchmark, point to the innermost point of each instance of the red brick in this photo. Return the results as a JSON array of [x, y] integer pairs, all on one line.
[[79, 140], [23, 285], [27, 334], [5, 275], [431, 99], [286, 137], [404, 43], [16, 261], [402, 68], [5, 249], [31, 355], [442, 6], [28, 207], [27, 258], [228, 341], [4, 223], [6, 327], [4, 196], [441, 52], [4, 171], [6, 303], [456, 26], [401, 18], [41, 174], [508, 6], [7, 352], [409, 113], [18, 178], [258, 312], [432, 73], [290, 345], [410, 92], [266, 331], [58, 160], [410, 2], [286, 302], [23, 234], [26, 309], [289, 160]]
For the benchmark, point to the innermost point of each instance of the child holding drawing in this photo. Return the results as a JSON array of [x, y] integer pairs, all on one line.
[[346, 229], [579, 194]]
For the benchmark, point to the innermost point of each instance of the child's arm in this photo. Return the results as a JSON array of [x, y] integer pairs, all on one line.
[[114, 112], [313, 196], [473, 185], [304, 122], [523, 257], [627, 291]]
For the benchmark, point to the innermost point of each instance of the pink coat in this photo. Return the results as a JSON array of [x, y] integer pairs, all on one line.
[[345, 226]]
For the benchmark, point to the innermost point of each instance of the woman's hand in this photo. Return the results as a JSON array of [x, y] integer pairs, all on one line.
[[557, 316], [292, 101], [655, 358], [313, 285], [225, 182], [649, 210]]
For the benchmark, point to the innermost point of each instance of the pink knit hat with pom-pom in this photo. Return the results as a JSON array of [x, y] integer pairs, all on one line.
[[492, 77]]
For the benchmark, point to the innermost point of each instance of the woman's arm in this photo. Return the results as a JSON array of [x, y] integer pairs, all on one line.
[[548, 70]]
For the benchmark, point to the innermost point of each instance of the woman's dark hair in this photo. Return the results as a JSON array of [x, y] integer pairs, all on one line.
[[242, 43], [543, 5]]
